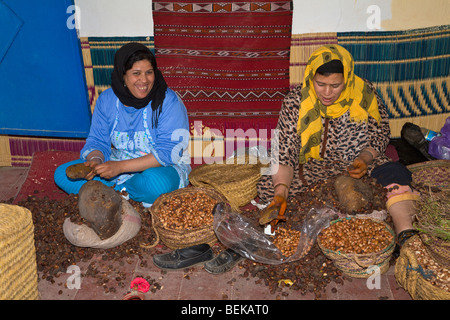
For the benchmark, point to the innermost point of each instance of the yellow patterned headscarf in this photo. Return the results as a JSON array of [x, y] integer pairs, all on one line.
[[356, 96]]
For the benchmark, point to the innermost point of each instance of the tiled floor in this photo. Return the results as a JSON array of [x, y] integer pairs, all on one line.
[[189, 284]]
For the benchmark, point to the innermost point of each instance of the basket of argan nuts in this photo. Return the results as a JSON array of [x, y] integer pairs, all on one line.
[[358, 245], [184, 217]]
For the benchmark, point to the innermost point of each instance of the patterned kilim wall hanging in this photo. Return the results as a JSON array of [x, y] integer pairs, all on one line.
[[228, 60], [410, 70]]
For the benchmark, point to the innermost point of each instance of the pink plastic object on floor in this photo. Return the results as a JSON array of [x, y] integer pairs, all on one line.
[[139, 286]]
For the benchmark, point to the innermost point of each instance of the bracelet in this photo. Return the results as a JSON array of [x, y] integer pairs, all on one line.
[[95, 157], [281, 184], [368, 152]]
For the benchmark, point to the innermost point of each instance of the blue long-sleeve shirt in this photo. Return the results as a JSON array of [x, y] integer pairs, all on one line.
[[132, 135]]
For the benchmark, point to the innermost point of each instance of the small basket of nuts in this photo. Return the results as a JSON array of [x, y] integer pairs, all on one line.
[[184, 217], [357, 244]]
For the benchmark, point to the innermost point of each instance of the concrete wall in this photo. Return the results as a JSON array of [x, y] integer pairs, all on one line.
[[109, 18]]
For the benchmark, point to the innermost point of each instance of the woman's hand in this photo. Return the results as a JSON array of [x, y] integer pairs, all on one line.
[[358, 169], [94, 159], [359, 166], [109, 169], [281, 180], [92, 164], [280, 202]]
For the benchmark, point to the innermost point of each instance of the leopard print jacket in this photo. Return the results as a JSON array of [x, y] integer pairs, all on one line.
[[342, 141]]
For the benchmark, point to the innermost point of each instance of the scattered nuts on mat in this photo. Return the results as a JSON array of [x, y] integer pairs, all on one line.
[[311, 274]]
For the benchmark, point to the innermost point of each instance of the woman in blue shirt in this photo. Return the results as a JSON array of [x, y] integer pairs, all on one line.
[[139, 133]]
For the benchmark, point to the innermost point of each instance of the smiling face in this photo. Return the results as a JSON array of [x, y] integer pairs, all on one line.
[[328, 87], [140, 78]]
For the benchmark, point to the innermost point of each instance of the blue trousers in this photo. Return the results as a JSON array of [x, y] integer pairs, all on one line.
[[144, 186]]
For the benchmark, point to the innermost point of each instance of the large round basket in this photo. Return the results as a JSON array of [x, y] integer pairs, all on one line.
[[361, 265], [434, 173], [237, 182], [177, 239], [437, 248], [18, 269], [412, 276]]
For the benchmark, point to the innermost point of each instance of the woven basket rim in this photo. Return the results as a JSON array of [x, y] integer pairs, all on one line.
[[206, 170], [222, 178], [423, 174], [159, 201], [181, 238], [409, 276], [349, 255], [428, 164], [13, 219]]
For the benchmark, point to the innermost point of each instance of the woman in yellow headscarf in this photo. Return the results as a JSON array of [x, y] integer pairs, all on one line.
[[335, 122], [330, 94]]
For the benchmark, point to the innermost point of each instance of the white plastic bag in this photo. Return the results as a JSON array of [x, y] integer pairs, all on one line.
[[241, 235], [84, 236]]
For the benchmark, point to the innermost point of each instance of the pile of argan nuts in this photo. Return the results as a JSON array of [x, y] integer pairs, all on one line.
[[310, 274], [313, 272], [286, 240], [54, 253], [356, 235], [188, 210]]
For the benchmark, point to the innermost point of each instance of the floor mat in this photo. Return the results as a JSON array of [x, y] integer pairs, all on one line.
[[40, 182]]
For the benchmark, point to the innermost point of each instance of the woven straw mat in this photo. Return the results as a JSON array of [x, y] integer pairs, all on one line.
[[18, 270]]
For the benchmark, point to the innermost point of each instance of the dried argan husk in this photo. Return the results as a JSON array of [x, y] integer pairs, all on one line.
[[101, 206], [78, 171], [353, 193]]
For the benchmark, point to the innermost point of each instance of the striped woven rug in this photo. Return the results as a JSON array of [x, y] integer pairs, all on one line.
[[22, 149], [228, 60], [410, 70]]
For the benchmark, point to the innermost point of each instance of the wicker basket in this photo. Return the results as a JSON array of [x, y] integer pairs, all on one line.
[[358, 265], [437, 248], [237, 182], [177, 239], [410, 275], [18, 269], [435, 173]]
